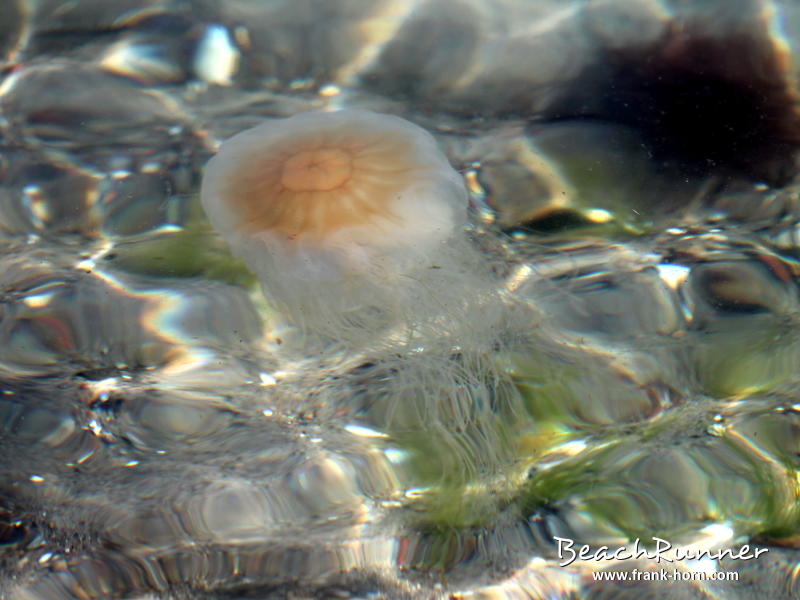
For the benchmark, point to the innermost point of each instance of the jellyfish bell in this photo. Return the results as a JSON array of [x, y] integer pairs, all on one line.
[[342, 216]]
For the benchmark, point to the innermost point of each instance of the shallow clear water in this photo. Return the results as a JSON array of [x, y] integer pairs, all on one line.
[[633, 186]]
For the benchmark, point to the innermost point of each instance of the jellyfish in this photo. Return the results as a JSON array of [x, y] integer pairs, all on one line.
[[357, 227], [353, 222]]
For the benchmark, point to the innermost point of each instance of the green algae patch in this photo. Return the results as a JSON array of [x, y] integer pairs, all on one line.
[[738, 364], [183, 253]]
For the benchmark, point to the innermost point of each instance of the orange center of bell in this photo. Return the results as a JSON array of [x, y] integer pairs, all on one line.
[[318, 170]]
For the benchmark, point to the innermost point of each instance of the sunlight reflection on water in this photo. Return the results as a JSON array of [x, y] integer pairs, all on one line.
[[632, 174]]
